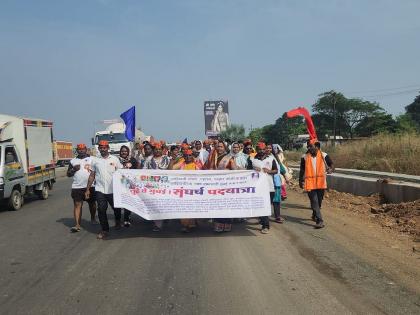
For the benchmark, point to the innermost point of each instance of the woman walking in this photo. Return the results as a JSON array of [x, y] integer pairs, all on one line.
[[191, 164], [222, 160], [127, 163]]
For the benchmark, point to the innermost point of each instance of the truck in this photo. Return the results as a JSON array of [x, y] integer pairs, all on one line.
[[26, 159], [115, 135], [63, 152]]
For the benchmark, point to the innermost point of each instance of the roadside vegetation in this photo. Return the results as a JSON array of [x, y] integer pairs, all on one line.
[[397, 153]]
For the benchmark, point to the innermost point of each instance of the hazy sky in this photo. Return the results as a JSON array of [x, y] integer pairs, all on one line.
[[77, 62]]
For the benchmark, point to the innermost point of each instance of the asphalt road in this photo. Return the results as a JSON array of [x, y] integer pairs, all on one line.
[[293, 270]]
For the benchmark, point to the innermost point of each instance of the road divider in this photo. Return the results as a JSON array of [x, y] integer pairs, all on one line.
[[394, 188]]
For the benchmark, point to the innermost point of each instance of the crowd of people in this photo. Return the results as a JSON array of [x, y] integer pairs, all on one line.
[[92, 176]]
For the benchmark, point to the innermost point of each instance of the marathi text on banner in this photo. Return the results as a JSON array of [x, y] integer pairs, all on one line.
[[159, 194]]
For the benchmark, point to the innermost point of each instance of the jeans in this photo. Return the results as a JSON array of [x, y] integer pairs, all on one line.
[[315, 197], [103, 200]]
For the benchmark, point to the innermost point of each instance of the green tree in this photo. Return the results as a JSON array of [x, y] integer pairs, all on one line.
[[233, 133], [265, 134], [405, 124], [379, 122], [413, 111], [330, 106], [285, 130], [348, 114]]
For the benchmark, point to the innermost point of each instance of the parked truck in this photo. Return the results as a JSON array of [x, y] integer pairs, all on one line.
[[63, 152], [26, 159]]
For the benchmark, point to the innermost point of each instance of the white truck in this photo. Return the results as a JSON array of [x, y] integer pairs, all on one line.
[[115, 135], [26, 159]]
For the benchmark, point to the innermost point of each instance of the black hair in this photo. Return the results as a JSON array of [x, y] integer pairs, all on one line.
[[124, 146], [173, 148]]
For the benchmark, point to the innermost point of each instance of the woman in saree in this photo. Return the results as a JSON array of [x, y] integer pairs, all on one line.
[[188, 163], [161, 160], [241, 159], [220, 159]]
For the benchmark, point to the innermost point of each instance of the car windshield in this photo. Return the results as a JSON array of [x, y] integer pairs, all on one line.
[[112, 138]]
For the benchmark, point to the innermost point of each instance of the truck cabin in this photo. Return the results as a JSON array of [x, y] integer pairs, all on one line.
[[10, 156], [110, 137]]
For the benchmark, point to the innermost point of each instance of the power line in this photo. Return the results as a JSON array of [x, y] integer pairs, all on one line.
[[417, 90], [385, 89]]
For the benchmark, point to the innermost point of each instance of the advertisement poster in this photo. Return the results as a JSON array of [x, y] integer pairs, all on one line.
[[216, 117]]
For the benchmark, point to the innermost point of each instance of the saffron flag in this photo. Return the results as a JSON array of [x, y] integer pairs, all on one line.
[[129, 118], [301, 111]]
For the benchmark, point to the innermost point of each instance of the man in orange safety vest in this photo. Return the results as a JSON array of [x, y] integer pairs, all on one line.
[[314, 167]]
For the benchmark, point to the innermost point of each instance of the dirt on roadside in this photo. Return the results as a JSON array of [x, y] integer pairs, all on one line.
[[402, 217]]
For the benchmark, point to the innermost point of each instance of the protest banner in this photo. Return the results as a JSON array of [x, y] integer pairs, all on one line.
[[160, 194]]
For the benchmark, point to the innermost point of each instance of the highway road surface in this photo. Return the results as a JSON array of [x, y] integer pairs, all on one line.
[[295, 269]]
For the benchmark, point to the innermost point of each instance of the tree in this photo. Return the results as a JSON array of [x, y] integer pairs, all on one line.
[[359, 111], [330, 107], [233, 133], [377, 123], [265, 134], [413, 111], [405, 124], [256, 135], [283, 131], [335, 110]]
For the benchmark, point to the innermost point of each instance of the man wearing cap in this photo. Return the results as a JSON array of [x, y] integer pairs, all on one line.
[[79, 169], [314, 167], [103, 167]]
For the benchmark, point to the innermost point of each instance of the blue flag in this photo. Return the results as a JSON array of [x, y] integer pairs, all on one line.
[[129, 118]]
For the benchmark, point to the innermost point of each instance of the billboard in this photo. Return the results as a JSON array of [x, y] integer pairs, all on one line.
[[216, 117]]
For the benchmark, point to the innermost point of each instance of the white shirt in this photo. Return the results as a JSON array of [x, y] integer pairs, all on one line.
[[80, 178], [313, 159], [266, 163], [104, 168], [204, 156]]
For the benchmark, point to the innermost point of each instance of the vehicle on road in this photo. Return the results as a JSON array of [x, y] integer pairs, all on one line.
[[115, 135], [26, 159], [63, 152]]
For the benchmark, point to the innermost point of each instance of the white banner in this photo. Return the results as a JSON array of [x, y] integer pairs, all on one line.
[[159, 194]]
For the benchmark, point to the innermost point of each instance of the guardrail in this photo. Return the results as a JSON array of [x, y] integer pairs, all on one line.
[[393, 187], [372, 174]]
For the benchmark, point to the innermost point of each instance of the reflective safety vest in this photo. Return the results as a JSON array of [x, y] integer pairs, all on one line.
[[315, 178]]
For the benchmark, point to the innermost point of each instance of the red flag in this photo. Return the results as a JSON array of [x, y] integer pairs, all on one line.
[[301, 111]]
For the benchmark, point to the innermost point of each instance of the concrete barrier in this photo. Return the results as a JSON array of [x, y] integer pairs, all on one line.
[[393, 191]]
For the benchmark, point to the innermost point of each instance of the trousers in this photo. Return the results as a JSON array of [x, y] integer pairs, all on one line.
[[103, 200], [315, 197]]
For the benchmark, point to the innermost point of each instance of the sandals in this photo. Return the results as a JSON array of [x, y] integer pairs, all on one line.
[[75, 229], [279, 220], [102, 235]]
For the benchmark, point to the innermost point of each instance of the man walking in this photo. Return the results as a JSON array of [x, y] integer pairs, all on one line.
[[103, 168], [79, 169], [314, 167]]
